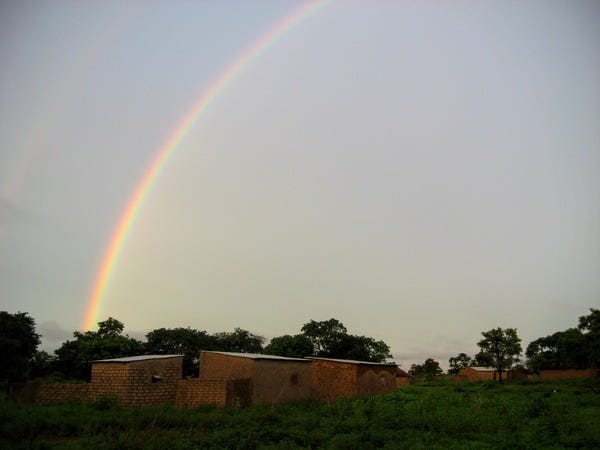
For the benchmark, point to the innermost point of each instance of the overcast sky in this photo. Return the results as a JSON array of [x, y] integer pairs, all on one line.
[[421, 171]]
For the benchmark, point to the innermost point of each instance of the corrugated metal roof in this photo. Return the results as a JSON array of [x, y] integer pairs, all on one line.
[[128, 359], [352, 361], [258, 356], [482, 369]]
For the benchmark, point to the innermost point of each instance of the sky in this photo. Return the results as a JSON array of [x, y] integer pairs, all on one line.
[[420, 171]]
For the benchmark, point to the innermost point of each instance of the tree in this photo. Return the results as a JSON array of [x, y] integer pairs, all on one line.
[[561, 350], [297, 346], [73, 357], [181, 341], [500, 349], [324, 335], [429, 369], [590, 327], [239, 341], [460, 361], [18, 344], [330, 339]]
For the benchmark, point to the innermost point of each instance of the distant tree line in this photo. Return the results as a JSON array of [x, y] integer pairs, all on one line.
[[574, 348], [21, 359]]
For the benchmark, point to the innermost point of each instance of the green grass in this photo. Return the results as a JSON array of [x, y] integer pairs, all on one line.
[[536, 415]]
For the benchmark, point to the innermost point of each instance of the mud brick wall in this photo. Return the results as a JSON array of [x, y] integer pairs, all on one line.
[[48, 392], [476, 375], [567, 374], [375, 379], [331, 380], [193, 392], [133, 383], [281, 381], [214, 366]]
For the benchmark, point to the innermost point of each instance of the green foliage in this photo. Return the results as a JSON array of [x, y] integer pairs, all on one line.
[[239, 341], [429, 369], [574, 348], [180, 341], [297, 346], [73, 357], [460, 361], [433, 415], [330, 339], [500, 349], [18, 344]]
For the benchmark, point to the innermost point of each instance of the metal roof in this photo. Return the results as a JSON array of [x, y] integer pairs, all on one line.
[[258, 356], [352, 361], [482, 369], [129, 359]]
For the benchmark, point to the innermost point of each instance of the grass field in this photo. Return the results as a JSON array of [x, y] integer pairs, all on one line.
[[535, 415]]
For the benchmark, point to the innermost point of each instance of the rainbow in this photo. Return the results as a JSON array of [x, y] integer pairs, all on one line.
[[144, 186]]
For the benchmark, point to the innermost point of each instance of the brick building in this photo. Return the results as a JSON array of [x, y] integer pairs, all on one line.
[[148, 380], [273, 379], [479, 374], [334, 378]]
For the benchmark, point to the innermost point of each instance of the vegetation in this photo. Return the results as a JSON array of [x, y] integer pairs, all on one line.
[[500, 349], [429, 369], [423, 416], [574, 348], [18, 345], [330, 339], [460, 361]]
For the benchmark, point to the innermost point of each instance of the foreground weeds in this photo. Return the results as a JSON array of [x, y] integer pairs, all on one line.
[[423, 416]]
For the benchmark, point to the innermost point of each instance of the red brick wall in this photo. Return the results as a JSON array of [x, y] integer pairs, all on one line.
[[214, 366], [567, 374], [280, 381], [331, 380]]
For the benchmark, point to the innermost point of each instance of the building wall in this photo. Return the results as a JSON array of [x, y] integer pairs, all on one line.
[[567, 374], [476, 375], [109, 379], [132, 382], [215, 366], [280, 381], [48, 392], [331, 380], [193, 392], [375, 379]]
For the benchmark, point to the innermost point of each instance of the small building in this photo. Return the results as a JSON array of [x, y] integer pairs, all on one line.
[[146, 380], [402, 378], [480, 374], [273, 379], [334, 378]]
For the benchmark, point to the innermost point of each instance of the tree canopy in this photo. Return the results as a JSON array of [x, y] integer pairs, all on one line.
[[180, 341], [18, 344], [73, 357], [573, 348], [499, 348], [429, 369], [297, 346], [330, 339], [460, 361]]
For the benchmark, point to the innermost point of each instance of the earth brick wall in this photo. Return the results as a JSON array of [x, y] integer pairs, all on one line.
[[48, 392], [215, 366], [144, 383], [331, 380], [567, 374], [281, 381], [375, 379], [193, 392]]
